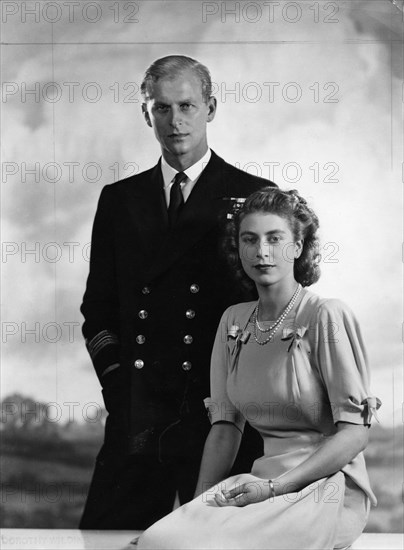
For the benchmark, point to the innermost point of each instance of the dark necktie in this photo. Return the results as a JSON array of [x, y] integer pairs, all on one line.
[[176, 198]]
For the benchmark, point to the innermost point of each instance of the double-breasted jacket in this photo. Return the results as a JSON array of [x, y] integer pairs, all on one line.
[[153, 301]]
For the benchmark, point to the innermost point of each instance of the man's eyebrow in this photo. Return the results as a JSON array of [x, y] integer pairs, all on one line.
[[179, 102]]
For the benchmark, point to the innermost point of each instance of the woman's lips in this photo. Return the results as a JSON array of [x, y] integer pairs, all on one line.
[[264, 267]]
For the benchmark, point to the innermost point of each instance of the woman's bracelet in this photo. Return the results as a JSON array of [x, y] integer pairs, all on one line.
[[272, 488]]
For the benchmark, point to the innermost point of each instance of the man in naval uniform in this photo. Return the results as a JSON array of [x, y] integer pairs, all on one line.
[[157, 287]]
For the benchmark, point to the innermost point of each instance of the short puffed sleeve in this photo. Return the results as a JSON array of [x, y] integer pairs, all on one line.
[[218, 405], [343, 365]]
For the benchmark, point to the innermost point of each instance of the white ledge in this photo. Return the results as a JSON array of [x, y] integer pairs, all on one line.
[[67, 539]]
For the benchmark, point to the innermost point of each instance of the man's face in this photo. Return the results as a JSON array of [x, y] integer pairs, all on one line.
[[178, 114]]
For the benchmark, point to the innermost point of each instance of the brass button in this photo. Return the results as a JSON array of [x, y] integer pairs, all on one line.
[[186, 365], [190, 314], [139, 364], [194, 288], [146, 290], [140, 339], [188, 339], [143, 314]]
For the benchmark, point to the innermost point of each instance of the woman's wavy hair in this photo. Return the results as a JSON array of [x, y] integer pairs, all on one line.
[[302, 221]]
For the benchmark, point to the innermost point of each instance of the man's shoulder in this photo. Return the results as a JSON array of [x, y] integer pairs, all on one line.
[[231, 173], [138, 178], [137, 184]]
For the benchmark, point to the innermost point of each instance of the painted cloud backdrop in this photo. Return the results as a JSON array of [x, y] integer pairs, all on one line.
[[312, 102]]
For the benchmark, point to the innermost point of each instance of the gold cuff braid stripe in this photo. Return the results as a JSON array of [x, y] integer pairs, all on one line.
[[100, 340]]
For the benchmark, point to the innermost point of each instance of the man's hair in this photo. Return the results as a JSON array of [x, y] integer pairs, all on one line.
[[169, 67]]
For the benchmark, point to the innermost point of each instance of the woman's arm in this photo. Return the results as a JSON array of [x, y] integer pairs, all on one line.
[[335, 453], [219, 453]]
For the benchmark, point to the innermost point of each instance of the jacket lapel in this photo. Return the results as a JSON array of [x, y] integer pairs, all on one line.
[[200, 215]]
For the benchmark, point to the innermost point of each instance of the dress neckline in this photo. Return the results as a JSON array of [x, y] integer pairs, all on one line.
[[292, 314]]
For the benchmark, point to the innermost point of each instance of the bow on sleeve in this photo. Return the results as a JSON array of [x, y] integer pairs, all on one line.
[[372, 404]]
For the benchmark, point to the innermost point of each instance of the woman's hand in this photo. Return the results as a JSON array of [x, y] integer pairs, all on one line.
[[247, 493]]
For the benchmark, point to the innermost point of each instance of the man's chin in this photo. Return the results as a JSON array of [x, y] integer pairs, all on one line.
[[178, 151]]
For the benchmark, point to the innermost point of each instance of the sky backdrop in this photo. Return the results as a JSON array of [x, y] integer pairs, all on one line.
[[309, 94]]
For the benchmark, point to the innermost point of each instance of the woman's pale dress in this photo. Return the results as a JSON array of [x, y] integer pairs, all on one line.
[[292, 390]]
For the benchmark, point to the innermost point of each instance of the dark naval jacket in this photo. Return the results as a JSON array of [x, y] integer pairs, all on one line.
[[153, 302]]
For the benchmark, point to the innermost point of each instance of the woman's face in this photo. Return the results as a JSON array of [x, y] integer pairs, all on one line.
[[267, 248]]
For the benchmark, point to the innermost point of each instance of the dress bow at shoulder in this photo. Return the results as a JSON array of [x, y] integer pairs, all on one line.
[[294, 334], [235, 337]]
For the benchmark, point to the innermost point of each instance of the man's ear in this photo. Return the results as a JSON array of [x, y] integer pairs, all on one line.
[[146, 114], [212, 104]]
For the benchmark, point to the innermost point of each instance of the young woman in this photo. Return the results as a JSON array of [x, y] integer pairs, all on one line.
[[293, 365]]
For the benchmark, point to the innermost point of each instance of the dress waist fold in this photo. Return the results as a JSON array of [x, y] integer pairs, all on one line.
[[285, 451]]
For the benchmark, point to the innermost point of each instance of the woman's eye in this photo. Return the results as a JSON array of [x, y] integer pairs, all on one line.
[[248, 240], [274, 239]]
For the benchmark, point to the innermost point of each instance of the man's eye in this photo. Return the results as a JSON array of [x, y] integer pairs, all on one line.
[[161, 108], [274, 239], [185, 106]]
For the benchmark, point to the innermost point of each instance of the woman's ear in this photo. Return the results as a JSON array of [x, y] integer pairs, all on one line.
[[298, 248]]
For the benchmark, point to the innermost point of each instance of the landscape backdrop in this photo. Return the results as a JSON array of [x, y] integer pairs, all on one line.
[[46, 468]]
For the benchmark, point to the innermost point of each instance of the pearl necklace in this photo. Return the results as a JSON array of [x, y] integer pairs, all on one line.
[[273, 328]]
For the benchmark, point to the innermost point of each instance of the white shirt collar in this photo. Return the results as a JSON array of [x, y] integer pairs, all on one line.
[[193, 172]]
